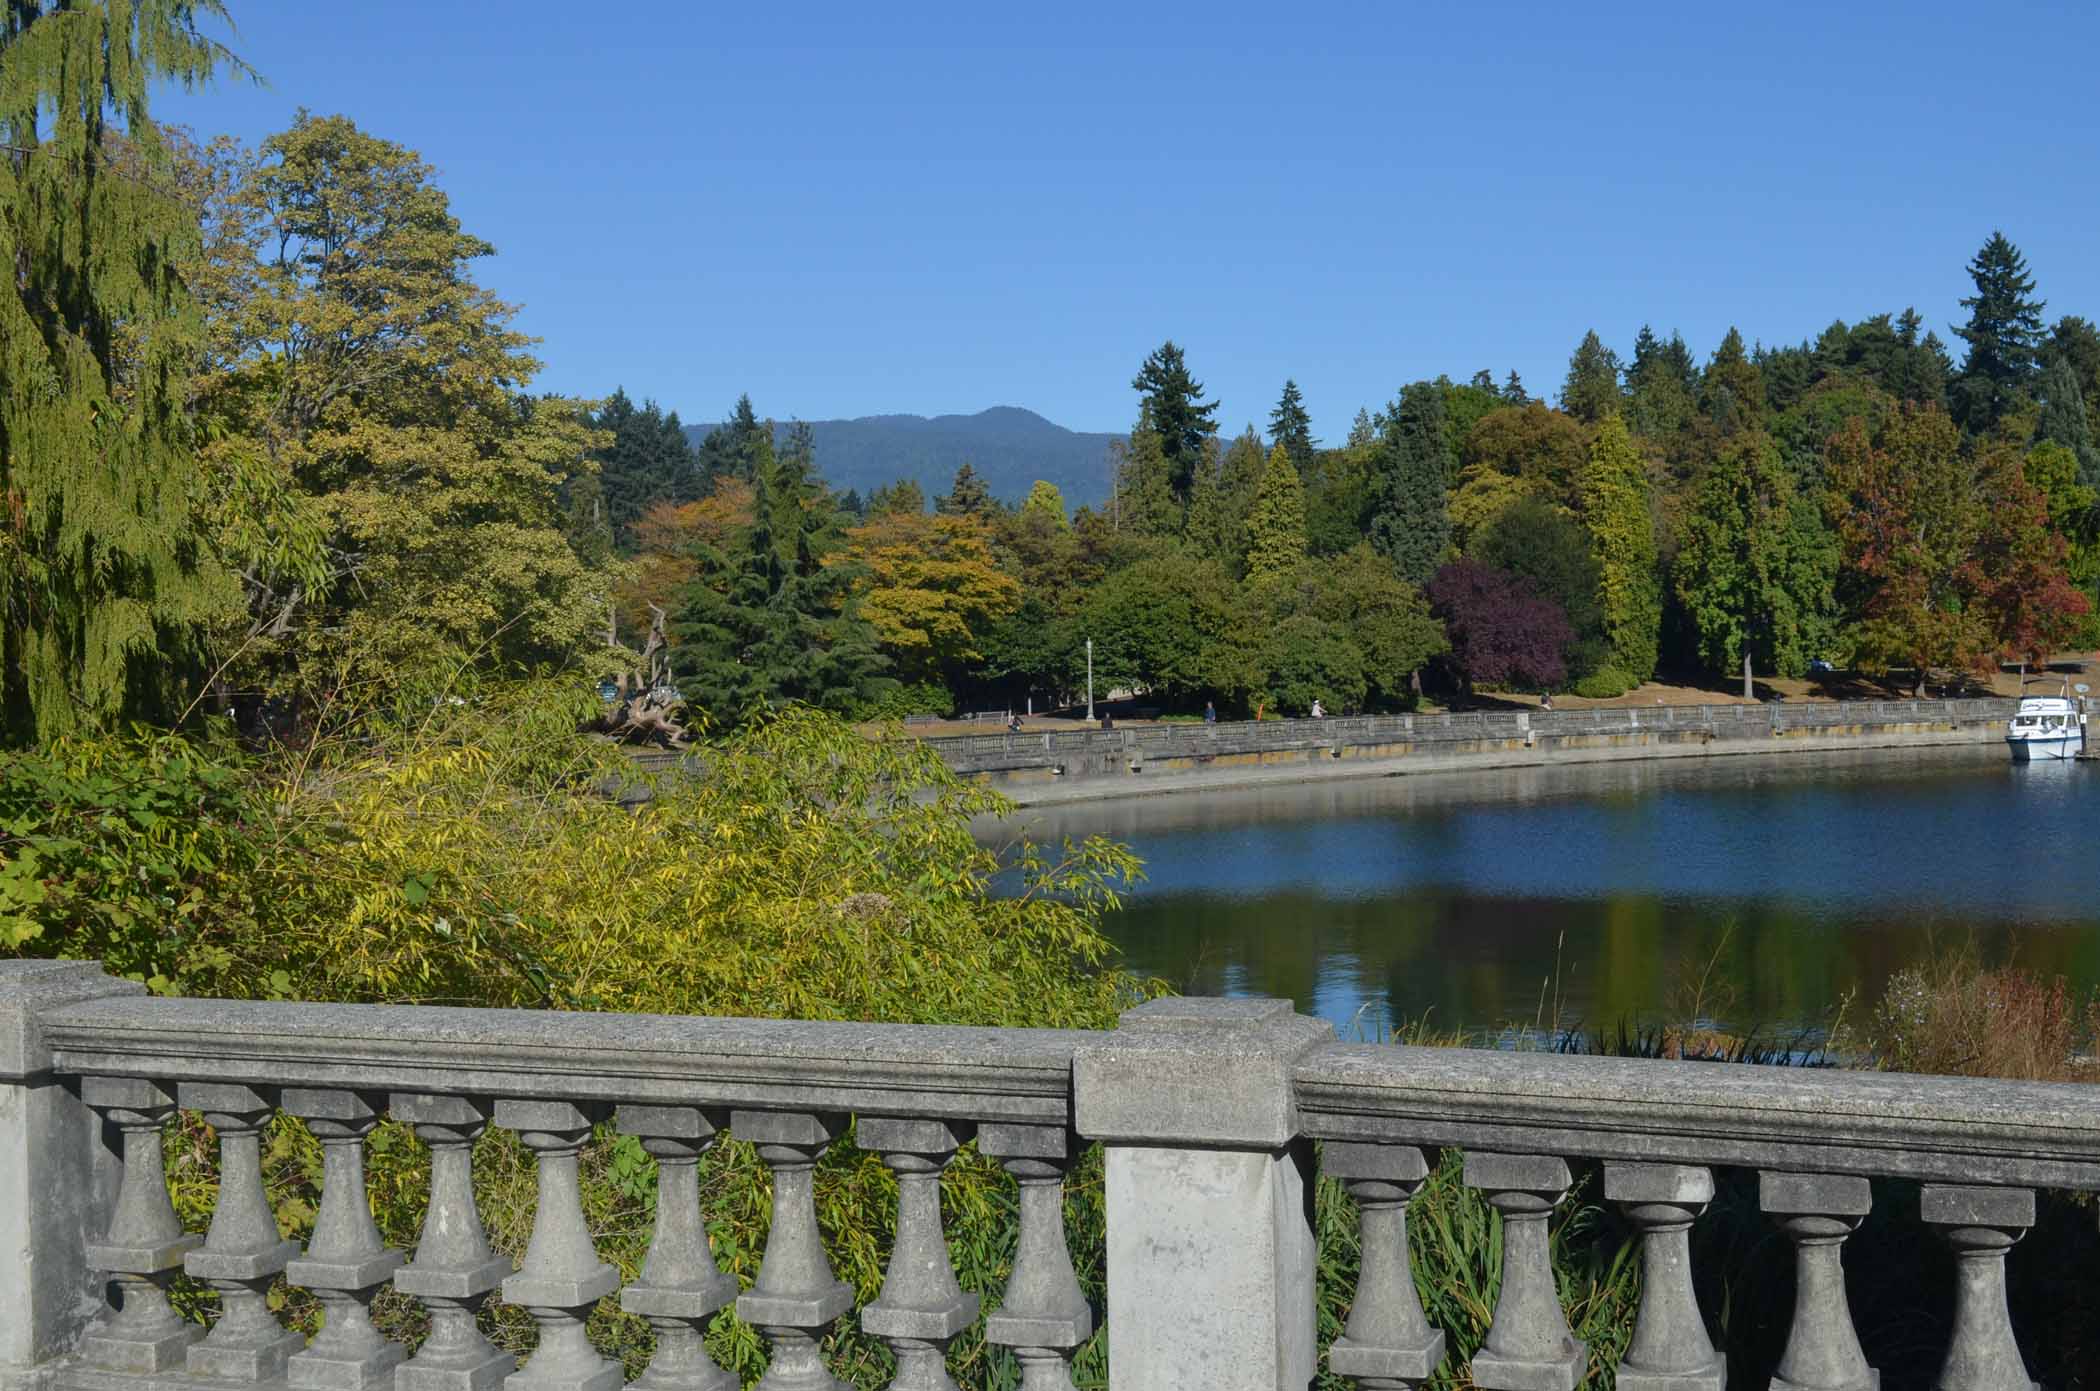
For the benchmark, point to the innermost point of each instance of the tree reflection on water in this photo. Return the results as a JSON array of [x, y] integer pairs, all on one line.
[[1607, 894]]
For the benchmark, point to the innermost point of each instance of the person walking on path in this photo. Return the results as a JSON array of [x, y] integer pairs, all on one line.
[[1210, 713]]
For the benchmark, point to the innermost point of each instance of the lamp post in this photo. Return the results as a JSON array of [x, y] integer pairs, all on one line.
[[1090, 679]]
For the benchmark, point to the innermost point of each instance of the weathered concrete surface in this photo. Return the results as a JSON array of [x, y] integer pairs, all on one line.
[[1224, 1239], [1209, 1193], [1035, 787], [57, 1176]]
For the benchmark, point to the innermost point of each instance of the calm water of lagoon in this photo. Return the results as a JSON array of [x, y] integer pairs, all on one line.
[[1476, 900]]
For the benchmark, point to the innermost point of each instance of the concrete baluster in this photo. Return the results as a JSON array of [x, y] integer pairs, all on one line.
[[796, 1297], [346, 1262], [1981, 1224], [921, 1307], [1529, 1346], [561, 1279], [144, 1244], [1671, 1350], [1044, 1317], [1817, 1212], [242, 1252], [681, 1288], [1387, 1344], [453, 1271]]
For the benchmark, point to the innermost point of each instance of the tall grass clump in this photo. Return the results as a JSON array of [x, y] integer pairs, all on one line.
[[1951, 1015]]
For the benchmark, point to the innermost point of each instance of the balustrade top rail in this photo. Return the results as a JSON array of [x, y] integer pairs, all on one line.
[[876, 1069], [1826, 1120], [1605, 1108]]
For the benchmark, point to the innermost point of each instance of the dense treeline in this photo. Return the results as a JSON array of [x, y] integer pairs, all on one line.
[[1856, 500], [306, 474]]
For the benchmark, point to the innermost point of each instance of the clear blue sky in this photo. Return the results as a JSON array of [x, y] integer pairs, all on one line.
[[847, 210]]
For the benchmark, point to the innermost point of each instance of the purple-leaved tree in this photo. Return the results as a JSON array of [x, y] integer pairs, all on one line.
[[1503, 631]]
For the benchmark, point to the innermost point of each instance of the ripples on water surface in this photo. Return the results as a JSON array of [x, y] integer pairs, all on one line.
[[1467, 897]]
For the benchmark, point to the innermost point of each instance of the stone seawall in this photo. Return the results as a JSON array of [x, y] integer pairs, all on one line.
[[1036, 769]]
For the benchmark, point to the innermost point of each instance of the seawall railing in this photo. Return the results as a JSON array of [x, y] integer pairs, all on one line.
[[1215, 1117], [1429, 732]]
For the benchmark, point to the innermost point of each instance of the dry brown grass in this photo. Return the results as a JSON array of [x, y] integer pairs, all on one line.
[[1952, 1016]]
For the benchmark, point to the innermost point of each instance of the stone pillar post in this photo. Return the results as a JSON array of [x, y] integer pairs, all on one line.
[[1529, 1346], [797, 1297], [1211, 1255], [1387, 1345], [1981, 1224], [57, 1176], [681, 1288], [1044, 1317], [561, 1279], [921, 1307], [1670, 1350], [1817, 1212]]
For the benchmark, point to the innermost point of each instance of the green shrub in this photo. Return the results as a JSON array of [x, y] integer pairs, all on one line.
[[469, 856], [1604, 683], [902, 699], [139, 851]]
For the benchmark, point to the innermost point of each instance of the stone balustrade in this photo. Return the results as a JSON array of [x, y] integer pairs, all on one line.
[[1216, 1118], [1079, 751]]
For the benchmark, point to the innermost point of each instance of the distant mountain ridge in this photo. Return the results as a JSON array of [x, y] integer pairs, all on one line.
[[1009, 447]]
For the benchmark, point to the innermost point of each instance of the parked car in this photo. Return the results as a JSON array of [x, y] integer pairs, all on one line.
[[1817, 666]]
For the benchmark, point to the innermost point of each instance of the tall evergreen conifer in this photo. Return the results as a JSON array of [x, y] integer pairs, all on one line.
[[1291, 427], [2004, 334], [967, 496], [1411, 472], [1172, 407], [1276, 526], [1591, 391]]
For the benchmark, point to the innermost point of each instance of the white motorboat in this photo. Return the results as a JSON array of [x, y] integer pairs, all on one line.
[[2045, 727]]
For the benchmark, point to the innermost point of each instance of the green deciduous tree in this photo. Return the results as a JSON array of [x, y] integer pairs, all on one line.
[[1544, 544], [108, 587], [2004, 334], [1276, 525], [355, 359], [1735, 571], [1044, 499], [1614, 494], [929, 586], [1172, 624], [1903, 504]]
